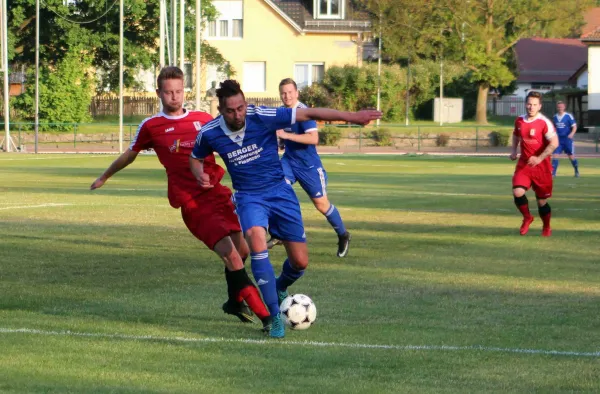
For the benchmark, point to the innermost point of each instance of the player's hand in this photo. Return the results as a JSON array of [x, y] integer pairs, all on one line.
[[534, 161], [282, 134], [98, 183], [204, 181], [365, 117], [570, 136], [513, 156]]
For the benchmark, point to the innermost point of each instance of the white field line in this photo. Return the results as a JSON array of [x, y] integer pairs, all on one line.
[[442, 210], [37, 206], [45, 158], [56, 205], [477, 348]]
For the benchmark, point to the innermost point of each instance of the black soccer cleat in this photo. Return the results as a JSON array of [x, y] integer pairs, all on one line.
[[343, 244], [239, 310]]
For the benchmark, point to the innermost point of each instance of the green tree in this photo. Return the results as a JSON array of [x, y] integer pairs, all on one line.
[[60, 101], [95, 26], [479, 34], [489, 29]]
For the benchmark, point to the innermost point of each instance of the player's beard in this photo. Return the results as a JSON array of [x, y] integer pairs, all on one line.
[[236, 127], [172, 108]]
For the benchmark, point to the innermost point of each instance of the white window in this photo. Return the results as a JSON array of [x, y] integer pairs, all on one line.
[[542, 86], [230, 21], [329, 9], [254, 77], [307, 73], [215, 74]]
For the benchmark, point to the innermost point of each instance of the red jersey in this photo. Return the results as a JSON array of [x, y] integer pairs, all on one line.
[[534, 136], [173, 138]]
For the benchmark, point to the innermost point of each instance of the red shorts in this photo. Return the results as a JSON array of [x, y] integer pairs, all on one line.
[[210, 217], [539, 178]]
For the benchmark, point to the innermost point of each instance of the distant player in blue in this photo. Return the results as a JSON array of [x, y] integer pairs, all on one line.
[[302, 163], [245, 138], [565, 126]]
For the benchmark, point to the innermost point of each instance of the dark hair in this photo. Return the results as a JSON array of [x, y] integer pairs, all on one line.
[[228, 88], [170, 72], [536, 95], [288, 81]]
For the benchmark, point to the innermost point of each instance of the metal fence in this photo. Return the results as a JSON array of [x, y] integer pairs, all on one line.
[[145, 106], [98, 137], [515, 106]]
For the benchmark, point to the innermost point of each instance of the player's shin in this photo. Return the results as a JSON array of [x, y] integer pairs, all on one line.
[[335, 219], [555, 163], [545, 213], [244, 290], [265, 278], [288, 276], [523, 206]]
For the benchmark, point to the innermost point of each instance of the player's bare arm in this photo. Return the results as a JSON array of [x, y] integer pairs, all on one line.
[[515, 145], [311, 138], [122, 161], [535, 160], [197, 167], [363, 117]]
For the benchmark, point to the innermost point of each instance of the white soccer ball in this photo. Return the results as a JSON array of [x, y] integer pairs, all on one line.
[[298, 311]]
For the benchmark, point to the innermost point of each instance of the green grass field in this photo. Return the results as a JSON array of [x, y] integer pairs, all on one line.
[[107, 292]]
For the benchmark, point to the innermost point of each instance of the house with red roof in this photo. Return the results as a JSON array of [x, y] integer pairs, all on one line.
[[546, 64]]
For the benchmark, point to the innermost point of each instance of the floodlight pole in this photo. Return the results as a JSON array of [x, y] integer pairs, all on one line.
[[161, 59], [7, 139], [441, 92], [182, 35], [37, 72], [174, 31], [162, 11], [121, 75], [407, 91], [198, 48], [379, 70]]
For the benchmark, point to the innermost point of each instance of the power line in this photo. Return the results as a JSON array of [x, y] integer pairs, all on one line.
[[79, 22]]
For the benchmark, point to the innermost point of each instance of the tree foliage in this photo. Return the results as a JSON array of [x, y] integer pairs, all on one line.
[[64, 27], [353, 88], [480, 34], [65, 92]]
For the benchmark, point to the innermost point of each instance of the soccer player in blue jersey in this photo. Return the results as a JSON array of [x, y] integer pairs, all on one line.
[[302, 163], [566, 127], [245, 138]]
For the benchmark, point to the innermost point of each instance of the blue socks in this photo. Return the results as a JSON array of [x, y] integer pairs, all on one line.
[[554, 166], [575, 164], [288, 276], [265, 279], [334, 218]]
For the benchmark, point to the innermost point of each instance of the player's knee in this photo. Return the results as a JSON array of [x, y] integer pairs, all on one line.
[[299, 264], [518, 192], [257, 239], [322, 204]]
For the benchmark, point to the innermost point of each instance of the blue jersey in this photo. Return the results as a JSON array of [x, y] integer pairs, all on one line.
[[563, 124], [250, 154], [302, 155]]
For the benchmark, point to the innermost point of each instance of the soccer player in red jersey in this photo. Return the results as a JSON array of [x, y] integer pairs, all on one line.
[[207, 212], [537, 137]]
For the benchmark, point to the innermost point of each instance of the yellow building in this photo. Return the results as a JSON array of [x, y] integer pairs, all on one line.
[[265, 41]]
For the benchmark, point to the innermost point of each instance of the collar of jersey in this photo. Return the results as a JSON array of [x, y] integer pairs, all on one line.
[[560, 118], [185, 113], [226, 129], [538, 116]]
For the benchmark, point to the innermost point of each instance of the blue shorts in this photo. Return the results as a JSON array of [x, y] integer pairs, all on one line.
[[566, 145], [276, 209], [313, 180]]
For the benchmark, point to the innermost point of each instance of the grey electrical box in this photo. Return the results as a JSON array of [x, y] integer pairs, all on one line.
[[452, 110]]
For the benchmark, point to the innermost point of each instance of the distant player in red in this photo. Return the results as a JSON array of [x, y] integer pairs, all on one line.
[[207, 212], [537, 137]]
